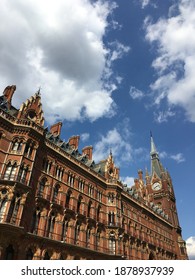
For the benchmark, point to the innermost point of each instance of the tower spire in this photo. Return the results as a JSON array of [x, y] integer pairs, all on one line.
[[156, 166], [153, 151]]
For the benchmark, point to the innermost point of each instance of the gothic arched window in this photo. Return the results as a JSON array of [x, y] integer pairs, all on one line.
[[112, 243], [35, 221], [64, 230], [55, 193], [10, 172], [41, 188], [3, 205], [76, 233], [67, 203], [79, 204], [50, 226]]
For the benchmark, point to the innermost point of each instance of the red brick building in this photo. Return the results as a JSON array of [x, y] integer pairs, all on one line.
[[57, 203]]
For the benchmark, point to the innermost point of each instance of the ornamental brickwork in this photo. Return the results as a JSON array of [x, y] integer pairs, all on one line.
[[57, 203]]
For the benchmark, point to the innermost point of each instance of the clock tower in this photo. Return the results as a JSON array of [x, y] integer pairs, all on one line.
[[161, 190], [161, 193]]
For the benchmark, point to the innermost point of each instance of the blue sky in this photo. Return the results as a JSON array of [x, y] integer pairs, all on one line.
[[112, 71]]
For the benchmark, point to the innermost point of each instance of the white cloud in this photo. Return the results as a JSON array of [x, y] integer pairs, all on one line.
[[190, 244], [136, 93], [163, 116], [60, 48], [178, 157], [145, 3], [84, 136], [116, 140], [175, 61], [129, 181], [118, 50]]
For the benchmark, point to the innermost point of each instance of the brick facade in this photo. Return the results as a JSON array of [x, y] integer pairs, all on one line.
[[57, 203]]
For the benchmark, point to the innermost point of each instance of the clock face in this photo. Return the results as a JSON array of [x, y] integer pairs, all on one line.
[[156, 186]]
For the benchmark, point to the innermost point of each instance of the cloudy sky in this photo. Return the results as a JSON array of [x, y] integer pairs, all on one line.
[[111, 71]]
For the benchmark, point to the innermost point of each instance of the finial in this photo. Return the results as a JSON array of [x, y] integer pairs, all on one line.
[[38, 91]]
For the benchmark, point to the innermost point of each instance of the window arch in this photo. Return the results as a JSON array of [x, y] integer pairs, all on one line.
[[17, 145], [64, 230], [10, 171], [35, 221], [41, 187], [76, 233], [112, 243], [111, 218], [50, 226], [29, 148], [98, 213], [46, 165], [13, 210], [55, 193], [3, 206], [88, 237], [68, 196], [79, 204], [89, 209], [22, 174]]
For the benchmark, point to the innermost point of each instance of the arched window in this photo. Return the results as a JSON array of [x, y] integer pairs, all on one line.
[[76, 233], [64, 230], [29, 149], [79, 204], [67, 204], [14, 207], [112, 243], [17, 145], [50, 226], [22, 174], [55, 193], [3, 205], [71, 180], [89, 209], [98, 213], [10, 172], [46, 165], [41, 188], [35, 221], [110, 198], [111, 218], [88, 236]]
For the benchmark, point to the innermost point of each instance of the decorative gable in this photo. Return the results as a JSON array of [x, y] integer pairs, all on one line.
[[32, 109]]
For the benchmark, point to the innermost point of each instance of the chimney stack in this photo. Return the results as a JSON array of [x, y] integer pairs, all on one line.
[[55, 129], [8, 93], [74, 141], [88, 151]]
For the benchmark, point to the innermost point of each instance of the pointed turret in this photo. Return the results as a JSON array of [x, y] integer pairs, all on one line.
[[156, 166]]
